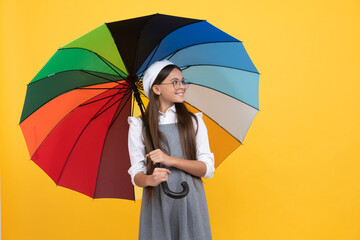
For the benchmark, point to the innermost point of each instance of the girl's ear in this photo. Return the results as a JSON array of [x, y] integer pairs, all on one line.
[[156, 90]]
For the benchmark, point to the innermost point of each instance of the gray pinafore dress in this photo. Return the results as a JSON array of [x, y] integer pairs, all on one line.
[[165, 218]]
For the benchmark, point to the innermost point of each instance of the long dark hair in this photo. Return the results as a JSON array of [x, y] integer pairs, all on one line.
[[184, 122]]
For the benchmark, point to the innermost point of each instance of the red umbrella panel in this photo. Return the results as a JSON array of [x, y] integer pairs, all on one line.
[[87, 149]]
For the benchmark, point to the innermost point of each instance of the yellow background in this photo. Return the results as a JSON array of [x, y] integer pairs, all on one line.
[[295, 177]]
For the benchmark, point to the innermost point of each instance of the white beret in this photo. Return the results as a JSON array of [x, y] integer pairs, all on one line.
[[151, 74]]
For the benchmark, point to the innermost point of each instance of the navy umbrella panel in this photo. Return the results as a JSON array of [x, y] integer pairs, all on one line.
[[186, 36]]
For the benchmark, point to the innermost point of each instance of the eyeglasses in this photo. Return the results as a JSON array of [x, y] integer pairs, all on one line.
[[176, 84]]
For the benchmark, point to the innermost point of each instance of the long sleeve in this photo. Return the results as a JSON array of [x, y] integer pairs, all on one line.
[[203, 152], [136, 148]]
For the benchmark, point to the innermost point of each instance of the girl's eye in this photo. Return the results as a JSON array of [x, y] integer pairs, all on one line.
[[176, 82]]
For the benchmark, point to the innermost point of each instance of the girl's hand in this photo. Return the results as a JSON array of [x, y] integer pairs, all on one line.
[[158, 156], [159, 175]]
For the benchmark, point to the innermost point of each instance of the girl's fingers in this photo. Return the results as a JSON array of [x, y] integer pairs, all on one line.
[[154, 153], [160, 175], [159, 170]]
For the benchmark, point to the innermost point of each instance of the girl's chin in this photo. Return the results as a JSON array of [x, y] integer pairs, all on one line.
[[180, 97], [179, 100]]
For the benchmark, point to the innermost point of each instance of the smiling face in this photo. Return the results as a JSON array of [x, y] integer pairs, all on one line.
[[166, 91]]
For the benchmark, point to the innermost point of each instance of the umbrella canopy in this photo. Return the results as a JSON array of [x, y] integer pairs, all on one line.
[[74, 118]]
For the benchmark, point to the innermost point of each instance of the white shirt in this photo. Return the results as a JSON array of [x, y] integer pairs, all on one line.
[[136, 143]]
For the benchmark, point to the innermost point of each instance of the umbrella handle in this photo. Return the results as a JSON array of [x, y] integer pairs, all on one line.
[[176, 195]]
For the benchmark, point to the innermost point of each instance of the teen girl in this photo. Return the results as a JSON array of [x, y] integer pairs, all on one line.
[[182, 145]]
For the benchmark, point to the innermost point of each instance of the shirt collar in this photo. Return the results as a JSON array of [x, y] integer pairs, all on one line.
[[172, 108]]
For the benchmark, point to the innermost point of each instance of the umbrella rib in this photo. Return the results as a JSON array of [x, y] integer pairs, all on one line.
[[91, 88], [103, 59], [141, 103], [122, 86], [213, 65], [113, 121], [98, 114], [142, 94], [172, 54], [79, 70], [225, 94], [87, 88], [160, 41], [157, 47], [203, 43], [97, 176], [97, 56], [59, 122], [133, 104], [84, 104], [215, 122], [137, 44], [103, 77], [62, 170], [59, 94]]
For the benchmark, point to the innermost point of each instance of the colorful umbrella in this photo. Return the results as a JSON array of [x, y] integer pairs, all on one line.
[[74, 118]]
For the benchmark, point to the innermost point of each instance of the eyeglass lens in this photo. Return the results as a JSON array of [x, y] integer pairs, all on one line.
[[177, 84]]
